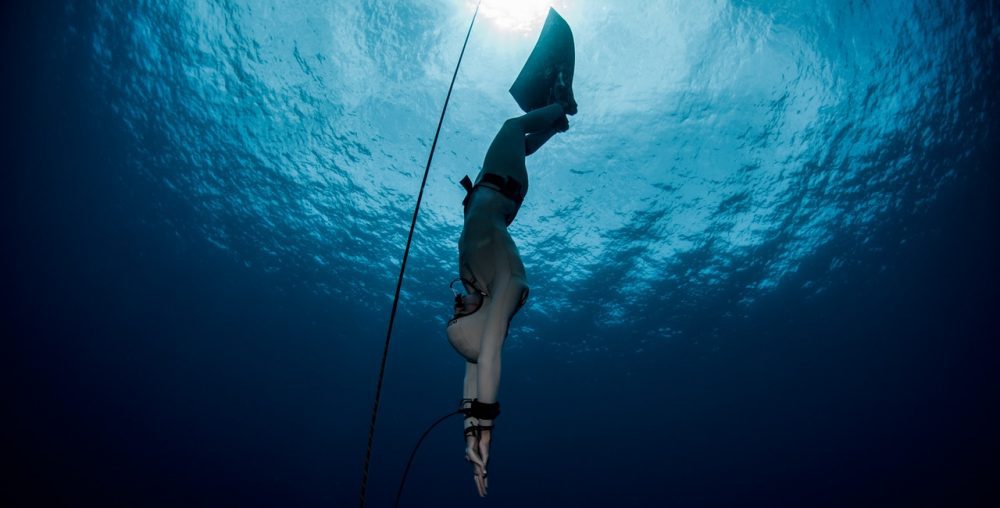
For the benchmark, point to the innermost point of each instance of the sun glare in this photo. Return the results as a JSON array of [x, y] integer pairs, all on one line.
[[515, 15]]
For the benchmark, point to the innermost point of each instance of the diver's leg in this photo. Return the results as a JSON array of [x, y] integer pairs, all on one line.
[[540, 119], [507, 293], [534, 141], [509, 147]]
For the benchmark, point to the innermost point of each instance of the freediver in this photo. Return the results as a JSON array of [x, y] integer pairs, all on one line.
[[490, 267]]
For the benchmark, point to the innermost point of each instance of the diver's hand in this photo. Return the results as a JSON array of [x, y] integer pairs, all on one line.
[[477, 452]]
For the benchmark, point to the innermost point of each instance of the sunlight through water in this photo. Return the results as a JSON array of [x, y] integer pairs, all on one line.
[[514, 15], [720, 149]]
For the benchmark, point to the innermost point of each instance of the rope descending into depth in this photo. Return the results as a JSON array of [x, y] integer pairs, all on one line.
[[413, 454], [402, 267]]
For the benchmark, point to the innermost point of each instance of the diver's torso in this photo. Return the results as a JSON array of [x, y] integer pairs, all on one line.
[[486, 252]]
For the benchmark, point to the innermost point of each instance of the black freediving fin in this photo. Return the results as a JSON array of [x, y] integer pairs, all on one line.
[[554, 53]]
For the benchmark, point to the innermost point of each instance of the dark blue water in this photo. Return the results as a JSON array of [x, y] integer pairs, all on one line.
[[763, 260]]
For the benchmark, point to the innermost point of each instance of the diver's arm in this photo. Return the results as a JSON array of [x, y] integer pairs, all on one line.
[[488, 375], [507, 294], [488, 378], [468, 395], [487, 383], [471, 378]]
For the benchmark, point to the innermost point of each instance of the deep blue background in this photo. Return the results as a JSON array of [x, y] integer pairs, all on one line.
[[140, 366]]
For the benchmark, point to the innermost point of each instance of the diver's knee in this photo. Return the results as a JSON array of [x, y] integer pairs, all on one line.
[[512, 124]]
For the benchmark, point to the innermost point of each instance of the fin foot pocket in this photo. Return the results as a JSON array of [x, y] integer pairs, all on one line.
[[547, 76]]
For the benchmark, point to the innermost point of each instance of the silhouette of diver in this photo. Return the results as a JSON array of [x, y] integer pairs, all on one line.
[[492, 273], [490, 268]]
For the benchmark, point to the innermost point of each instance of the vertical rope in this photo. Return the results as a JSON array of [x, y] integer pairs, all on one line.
[[402, 267]]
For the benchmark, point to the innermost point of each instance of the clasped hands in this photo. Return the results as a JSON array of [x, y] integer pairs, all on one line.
[[478, 433]]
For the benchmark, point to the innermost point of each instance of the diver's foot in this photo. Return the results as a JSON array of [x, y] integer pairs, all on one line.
[[562, 94], [561, 124]]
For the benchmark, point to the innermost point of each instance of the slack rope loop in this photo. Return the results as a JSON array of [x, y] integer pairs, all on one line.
[[402, 268], [413, 454]]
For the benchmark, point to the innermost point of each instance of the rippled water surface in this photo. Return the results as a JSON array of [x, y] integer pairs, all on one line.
[[720, 144], [731, 160]]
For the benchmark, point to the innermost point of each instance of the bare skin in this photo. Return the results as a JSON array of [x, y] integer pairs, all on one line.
[[489, 257]]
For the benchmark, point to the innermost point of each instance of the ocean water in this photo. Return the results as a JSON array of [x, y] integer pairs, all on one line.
[[762, 260]]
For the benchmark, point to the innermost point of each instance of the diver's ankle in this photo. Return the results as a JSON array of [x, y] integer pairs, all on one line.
[[562, 95]]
